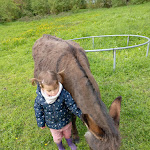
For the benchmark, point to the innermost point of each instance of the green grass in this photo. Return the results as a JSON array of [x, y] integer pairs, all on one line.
[[131, 79]]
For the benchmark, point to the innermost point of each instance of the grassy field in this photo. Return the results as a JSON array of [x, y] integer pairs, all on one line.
[[131, 79]]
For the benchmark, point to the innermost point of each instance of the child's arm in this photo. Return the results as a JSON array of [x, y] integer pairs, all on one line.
[[39, 113], [72, 105]]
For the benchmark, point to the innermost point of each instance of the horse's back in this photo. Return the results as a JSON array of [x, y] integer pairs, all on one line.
[[49, 51]]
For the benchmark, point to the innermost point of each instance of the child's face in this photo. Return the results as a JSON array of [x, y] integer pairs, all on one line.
[[51, 90]]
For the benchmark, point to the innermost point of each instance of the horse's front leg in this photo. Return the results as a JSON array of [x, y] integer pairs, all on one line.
[[75, 135]]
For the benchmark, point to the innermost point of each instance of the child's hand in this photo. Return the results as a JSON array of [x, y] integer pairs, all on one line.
[[42, 127]]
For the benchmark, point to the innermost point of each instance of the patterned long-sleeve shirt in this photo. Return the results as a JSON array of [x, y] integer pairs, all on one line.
[[57, 114]]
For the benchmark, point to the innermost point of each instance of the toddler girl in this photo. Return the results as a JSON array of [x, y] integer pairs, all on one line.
[[53, 107]]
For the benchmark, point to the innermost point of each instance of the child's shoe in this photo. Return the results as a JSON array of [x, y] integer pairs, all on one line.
[[60, 146], [71, 144]]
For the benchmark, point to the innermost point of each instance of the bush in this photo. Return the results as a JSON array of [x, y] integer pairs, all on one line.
[[98, 3], [137, 1], [8, 10], [116, 3], [39, 7], [75, 9], [57, 6]]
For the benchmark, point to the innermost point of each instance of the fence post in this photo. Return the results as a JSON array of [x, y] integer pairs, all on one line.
[[93, 42], [114, 57], [147, 49], [128, 41]]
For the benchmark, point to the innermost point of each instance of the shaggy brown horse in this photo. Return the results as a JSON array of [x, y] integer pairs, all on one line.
[[51, 53]]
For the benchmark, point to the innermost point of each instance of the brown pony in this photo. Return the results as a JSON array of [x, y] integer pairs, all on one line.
[[51, 53]]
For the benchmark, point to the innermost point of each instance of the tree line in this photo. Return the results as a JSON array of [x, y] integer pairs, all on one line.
[[14, 9]]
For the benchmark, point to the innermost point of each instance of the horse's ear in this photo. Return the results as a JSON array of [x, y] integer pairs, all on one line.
[[92, 126], [114, 110]]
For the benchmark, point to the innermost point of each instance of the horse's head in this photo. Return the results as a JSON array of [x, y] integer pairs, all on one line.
[[98, 138]]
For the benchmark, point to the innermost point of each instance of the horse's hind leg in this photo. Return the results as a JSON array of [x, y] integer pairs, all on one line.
[[75, 135]]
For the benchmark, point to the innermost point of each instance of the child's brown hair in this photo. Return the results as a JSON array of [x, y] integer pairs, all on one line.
[[48, 78]]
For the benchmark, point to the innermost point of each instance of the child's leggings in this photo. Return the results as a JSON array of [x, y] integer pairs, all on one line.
[[58, 134]]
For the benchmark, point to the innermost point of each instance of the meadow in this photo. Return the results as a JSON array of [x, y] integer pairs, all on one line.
[[131, 79]]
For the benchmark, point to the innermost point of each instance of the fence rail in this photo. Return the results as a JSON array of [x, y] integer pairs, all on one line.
[[116, 48]]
